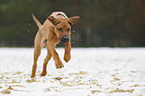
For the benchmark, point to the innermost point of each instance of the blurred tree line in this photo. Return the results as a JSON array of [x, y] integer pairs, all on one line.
[[112, 23]]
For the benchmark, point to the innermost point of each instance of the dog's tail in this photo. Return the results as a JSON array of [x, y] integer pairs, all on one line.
[[36, 20]]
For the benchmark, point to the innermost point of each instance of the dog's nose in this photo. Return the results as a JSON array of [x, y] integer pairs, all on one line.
[[65, 39]]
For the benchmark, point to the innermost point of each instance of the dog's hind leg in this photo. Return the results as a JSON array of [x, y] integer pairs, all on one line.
[[48, 57], [37, 52]]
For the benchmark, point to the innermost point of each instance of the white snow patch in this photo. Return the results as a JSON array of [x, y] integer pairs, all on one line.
[[90, 72]]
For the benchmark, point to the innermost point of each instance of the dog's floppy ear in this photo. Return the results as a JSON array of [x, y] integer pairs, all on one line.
[[73, 20], [53, 20]]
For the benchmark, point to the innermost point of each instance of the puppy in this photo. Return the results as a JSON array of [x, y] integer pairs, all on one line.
[[55, 29]]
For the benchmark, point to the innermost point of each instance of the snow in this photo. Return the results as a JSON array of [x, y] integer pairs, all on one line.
[[90, 72]]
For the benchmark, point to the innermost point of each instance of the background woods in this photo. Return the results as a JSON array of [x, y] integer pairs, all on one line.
[[112, 23]]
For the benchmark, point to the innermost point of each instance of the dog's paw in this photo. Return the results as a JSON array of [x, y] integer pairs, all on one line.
[[59, 65], [67, 57], [32, 76], [43, 73]]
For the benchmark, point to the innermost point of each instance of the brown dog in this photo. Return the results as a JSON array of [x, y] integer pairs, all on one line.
[[56, 28]]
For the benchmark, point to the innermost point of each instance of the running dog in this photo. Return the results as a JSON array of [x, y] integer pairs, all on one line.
[[55, 29]]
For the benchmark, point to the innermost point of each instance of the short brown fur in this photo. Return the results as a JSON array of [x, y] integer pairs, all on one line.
[[49, 34]]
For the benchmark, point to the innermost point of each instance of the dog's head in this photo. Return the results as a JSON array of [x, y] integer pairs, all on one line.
[[63, 27]]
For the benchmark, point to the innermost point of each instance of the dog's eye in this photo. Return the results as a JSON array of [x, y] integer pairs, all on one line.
[[68, 29], [59, 29]]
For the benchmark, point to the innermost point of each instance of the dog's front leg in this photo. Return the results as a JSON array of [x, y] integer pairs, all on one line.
[[67, 55], [54, 54]]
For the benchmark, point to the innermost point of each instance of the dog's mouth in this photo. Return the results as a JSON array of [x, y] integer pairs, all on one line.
[[64, 39]]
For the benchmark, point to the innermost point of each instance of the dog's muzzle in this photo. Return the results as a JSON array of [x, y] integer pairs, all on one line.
[[65, 39]]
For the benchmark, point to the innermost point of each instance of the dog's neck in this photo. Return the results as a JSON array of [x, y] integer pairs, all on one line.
[[61, 15]]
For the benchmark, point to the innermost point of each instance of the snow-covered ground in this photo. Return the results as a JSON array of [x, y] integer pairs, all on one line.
[[90, 72]]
